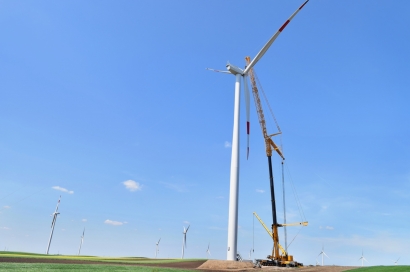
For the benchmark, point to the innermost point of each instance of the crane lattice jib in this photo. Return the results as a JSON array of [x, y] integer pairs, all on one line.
[[269, 144], [269, 232]]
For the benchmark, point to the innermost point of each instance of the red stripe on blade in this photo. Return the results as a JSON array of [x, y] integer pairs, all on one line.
[[284, 25], [247, 127]]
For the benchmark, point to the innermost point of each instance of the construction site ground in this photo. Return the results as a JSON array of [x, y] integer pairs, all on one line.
[[210, 265]]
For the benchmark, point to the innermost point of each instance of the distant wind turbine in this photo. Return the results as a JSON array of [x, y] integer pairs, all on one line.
[[53, 223], [395, 263], [184, 241], [157, 248], [363, 258], [323, 253], [208, 251], [81, 243]]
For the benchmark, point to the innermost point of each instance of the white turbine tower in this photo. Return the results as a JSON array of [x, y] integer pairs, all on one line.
[[395, 263], [53, 223], [234, 174], [323, 253], [184, 241], [81, 243], [363, 258], [157, 248], [208, 251]]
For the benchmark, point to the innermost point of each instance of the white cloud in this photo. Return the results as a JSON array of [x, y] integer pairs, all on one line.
[[219, 197], [260, 191], [228, 144], [58, 188], [6, 207], [5, 228], [113, 223], [132, 185], [182, 188], [84, 220], [186, 222]]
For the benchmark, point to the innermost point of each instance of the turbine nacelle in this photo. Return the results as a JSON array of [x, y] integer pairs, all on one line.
[[234, 69]]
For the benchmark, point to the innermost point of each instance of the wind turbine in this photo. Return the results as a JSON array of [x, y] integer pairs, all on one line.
[[395, 263], [53, 223], [157, 248], [81, 243], [323, 253], [234, 174], [208, 251], [363, 258], [184, 241]]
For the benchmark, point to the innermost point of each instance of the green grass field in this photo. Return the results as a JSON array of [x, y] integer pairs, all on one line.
[[109, 261], [136, 260], [396, 268], [112, 264], [81, 267]]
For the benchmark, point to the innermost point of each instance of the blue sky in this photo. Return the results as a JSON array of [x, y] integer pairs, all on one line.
[[98, 93]]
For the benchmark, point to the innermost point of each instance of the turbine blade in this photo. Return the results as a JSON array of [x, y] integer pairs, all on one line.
[[58, 203], [326, 255], [54, 221], [247, 101], [218, 71], [187, 228], [272, 39]]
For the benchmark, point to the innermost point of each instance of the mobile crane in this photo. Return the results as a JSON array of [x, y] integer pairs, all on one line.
[[285, 258], [274, 259]]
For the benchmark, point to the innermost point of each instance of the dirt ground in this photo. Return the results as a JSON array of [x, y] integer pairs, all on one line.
[[218, 266]]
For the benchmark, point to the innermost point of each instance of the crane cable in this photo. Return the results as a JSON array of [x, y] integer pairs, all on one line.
[[299, 205], [266, 100]]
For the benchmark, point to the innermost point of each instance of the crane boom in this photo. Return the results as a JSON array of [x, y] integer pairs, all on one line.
[[304, 224], [269, 143], [270, 146]]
